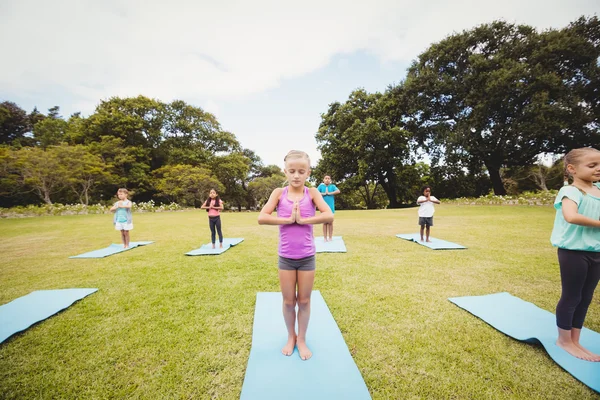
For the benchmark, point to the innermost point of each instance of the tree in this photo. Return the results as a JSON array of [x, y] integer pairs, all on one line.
[[501, 94], [51, 130], [358, 140], [261, 188], [41, 171], [84, 170], [186, 184], [232, 170], [14, 123]]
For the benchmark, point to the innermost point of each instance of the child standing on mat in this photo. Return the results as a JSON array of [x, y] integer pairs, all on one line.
[[213, 206], [426, 210], [296, 215], [576, 233], [123, 219], [328, 190]]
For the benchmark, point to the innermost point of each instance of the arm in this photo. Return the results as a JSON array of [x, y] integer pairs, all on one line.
[[125, 205], [569, 209], [326, 215], [204, 206], [221, 206], [336, 191], [114, 207], [434, 200], [421, 199], [265, 216]]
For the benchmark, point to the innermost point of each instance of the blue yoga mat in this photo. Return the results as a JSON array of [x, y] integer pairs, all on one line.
[[25, 311], [527, 322], [435, 244], [336, 245], [110, 250], [329, 374], [207, 249]]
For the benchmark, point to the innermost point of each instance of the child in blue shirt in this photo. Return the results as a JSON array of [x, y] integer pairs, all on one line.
[[328, 190], [576, 233]]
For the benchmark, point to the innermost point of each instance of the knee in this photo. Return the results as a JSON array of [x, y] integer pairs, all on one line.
[[303, 303], [289, 303]]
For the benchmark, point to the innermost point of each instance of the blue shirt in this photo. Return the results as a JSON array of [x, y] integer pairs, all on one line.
[[571, 236], [329, 198]]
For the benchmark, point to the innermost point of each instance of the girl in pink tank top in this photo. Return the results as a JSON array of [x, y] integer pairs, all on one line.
[[295, 216], [213, 206]]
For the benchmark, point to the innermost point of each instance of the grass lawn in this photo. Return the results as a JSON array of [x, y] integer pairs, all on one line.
[[165, 325]]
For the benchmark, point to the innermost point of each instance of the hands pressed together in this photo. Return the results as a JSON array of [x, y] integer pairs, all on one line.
[[296, 218]]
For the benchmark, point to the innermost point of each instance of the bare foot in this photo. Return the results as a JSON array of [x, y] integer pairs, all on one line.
[[213, 246], [429, 241], [221, 245], [595, 357], [288, 349], [422, 240], [330, 238], [575, 351], [303, 350]]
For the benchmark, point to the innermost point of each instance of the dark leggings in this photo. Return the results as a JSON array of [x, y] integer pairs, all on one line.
[[579, 274], [215, 222]]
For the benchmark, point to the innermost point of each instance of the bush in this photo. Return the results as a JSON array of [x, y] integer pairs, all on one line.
[[73, 209], [542, 198]]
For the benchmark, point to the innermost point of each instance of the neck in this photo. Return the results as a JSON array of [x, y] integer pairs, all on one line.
[[292, 189], [582, 183]]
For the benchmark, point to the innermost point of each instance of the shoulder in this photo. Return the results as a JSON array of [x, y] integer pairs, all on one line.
[[313, 191], [421, 198], [321, 185], [570, 192], [277, 192]]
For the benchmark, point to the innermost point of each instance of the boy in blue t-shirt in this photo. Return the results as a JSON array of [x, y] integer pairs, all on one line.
[[328, 190]]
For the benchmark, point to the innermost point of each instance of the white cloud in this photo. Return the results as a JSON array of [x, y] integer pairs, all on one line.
[[224, 50]]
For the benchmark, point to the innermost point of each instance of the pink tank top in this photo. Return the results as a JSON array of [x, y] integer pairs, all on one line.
[[296, 241], [212, 212]]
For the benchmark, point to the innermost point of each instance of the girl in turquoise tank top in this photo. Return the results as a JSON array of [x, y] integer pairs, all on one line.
[[576, 233], [295, 216]]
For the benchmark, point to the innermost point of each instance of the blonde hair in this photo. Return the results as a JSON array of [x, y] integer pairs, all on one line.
[[296, 154], [573, 157], [123, 190]]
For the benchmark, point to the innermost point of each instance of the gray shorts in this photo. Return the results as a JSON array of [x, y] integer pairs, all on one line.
[[427, 221], [300, 264]]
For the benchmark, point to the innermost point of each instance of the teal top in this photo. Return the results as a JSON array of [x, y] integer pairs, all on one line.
[[123, 215], [329, 198], [571, 236]]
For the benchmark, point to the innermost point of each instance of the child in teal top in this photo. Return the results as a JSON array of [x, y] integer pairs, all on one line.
[[576, 233], [328, 190]]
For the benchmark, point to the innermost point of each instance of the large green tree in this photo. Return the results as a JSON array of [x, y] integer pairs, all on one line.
[[360, 143], [501, 94]]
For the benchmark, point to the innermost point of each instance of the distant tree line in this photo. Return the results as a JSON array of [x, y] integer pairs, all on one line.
[[476, 112]]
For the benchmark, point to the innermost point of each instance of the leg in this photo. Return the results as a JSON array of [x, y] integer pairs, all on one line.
[[211, 224], [287, 282], [587, 293], [427, 233], [218, 224], [123, 238], [330, 229], [325, 232], [422, 230], [573, 275], [306, 280], [126, 239]]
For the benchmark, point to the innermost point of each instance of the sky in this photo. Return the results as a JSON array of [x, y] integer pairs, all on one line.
[[266, 69]]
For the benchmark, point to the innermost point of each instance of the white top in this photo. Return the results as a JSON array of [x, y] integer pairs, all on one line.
[[426, 208]]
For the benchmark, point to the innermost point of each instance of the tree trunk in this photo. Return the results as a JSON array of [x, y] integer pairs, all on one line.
[[497, 184]]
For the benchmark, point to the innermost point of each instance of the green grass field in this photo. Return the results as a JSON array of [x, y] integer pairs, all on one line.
[[165, 325]]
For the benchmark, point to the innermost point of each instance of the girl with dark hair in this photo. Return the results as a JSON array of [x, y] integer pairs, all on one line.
[[213, 205]]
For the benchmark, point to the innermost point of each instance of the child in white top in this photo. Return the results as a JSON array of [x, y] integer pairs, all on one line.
[[426, 210], [123, 220]]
